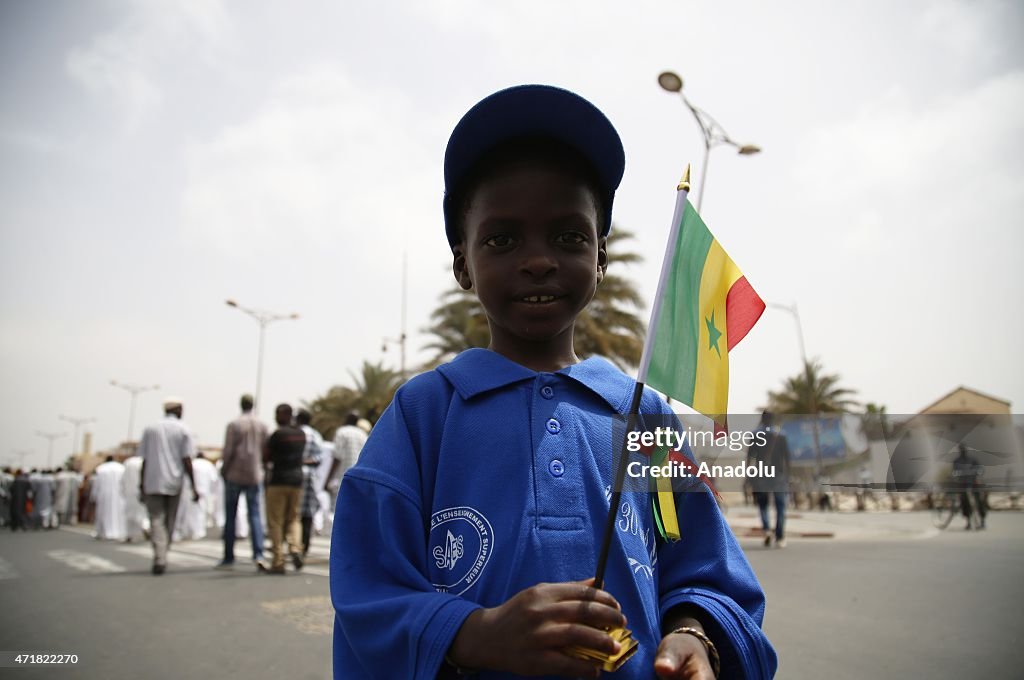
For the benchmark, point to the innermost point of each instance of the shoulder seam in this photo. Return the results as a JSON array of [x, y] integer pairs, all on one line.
[[378, 478]]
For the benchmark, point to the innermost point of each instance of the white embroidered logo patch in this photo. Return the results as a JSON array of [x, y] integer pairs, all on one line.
[[450, 554], [457, 533]]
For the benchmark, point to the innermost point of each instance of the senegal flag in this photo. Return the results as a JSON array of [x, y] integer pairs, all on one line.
[[704, 306]]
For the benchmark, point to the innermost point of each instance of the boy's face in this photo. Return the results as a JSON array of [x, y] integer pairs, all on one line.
[[531, 250]]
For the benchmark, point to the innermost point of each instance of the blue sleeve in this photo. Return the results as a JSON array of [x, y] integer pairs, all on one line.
[[390, 622], [707, 568]]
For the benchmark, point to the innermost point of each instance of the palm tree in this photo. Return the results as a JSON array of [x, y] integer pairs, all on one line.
[[373, 390], [876, 421], [376, 387], [457, 324], [823, 396], [609, 326]]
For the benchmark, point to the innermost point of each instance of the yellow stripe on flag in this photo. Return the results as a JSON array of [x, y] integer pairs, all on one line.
[[711, 389], [667, 505]]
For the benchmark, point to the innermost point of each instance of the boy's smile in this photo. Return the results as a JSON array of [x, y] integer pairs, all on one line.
[[532, 253]]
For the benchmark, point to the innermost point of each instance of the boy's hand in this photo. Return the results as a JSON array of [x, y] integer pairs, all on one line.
[[682, 657], [528, 634]]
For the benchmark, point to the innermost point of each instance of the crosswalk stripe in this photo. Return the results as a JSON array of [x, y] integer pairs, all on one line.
[[86, 562], [174, 557], [208, 552]]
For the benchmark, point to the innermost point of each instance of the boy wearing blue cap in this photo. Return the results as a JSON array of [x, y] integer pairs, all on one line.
[[465, 535]]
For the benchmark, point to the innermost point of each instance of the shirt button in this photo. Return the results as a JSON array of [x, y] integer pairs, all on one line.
[[554, 427], [547, 392], [556, 468]]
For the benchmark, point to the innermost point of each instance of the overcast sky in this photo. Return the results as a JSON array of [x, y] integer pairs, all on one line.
[[158, 158]]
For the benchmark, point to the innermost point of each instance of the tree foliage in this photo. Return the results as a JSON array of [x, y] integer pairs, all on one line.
[[811, 391], [370, 393], [876, 421]]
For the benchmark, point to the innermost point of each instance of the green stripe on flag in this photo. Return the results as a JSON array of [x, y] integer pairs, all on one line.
[[673, 368]]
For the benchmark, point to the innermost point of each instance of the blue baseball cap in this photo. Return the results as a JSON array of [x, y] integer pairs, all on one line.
[[532, 111]]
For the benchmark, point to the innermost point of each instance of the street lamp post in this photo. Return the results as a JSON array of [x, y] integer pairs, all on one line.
[[714, 134], [263, 318], [49, 437], [792, 309], [401, 339], [77, 423], [135, 391], [21, 453]]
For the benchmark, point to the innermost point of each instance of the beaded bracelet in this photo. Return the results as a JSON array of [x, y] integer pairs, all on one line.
[[709, 646]]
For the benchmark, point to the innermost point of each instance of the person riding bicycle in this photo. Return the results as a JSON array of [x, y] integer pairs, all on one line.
[[966, 477]]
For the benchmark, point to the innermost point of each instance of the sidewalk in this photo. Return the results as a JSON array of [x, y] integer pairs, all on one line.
[[839, 525]]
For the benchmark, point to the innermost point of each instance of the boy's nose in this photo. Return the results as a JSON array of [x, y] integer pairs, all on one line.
[[538, 262]]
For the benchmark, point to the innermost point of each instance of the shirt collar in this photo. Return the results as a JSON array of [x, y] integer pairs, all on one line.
[[477, 370]]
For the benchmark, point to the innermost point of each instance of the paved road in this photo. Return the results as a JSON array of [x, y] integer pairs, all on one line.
[[65, 592], [938, 605], [887, 598]]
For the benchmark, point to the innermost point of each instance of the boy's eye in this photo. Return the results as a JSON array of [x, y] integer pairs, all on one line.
[[499, 241], [571, 237]]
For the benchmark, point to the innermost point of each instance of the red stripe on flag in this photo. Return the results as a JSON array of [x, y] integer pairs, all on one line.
[[743, 307]]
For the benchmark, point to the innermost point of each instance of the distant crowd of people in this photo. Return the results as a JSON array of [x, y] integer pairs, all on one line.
[[282, 484], [42, 499]]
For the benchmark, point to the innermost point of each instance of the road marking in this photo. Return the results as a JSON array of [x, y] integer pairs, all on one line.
[[86, 562], [174, 557], [7, 570], [207, 552]]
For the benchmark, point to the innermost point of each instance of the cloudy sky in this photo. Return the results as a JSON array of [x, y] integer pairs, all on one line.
[[158, 158]]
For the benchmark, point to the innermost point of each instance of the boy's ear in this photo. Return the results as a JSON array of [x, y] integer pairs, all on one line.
[[459, 267], [602, 258]]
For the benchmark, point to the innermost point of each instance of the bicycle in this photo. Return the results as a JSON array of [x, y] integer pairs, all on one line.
[[950, 504]]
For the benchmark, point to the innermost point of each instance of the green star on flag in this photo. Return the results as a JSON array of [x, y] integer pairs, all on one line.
[[713, 333]]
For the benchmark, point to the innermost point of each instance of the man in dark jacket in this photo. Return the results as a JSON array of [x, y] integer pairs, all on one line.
[[283, 453], [774, 453]]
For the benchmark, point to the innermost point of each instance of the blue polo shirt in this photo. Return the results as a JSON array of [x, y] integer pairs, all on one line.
[[484, 478]]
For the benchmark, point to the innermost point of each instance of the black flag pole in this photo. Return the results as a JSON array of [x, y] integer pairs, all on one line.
[[617, 483]]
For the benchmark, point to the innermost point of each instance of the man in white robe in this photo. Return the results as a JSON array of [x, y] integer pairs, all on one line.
[[206, 476], [218, 498], [136, 519], [65, 481], [106, 493], [42, 500], [323, 520], [194, 516]]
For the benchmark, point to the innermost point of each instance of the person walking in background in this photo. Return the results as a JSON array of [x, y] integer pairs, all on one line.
[[21, 492], [166, 450], [348, 442], [107, 495], [242, 473], [136, 520], [311, 458], [206, 476], [193, 516], [283, 453], [967, 474], [65, 497], [865, 488], [6, 479], [35, 478], [772, 450], [43, 496]]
